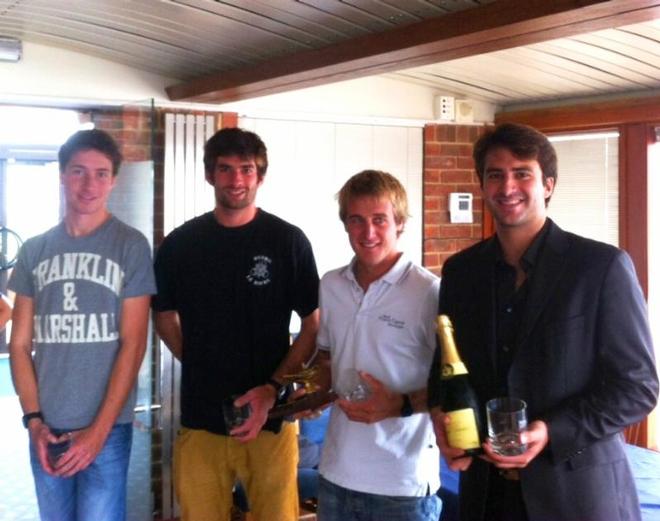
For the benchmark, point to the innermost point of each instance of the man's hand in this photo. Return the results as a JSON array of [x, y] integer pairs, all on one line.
[[85, 446], [41, 436], [455, 458], [381, 403], [261, 400], [536, 438], [309, 414]]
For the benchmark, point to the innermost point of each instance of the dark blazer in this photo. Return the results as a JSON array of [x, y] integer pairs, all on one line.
[[584, 364]]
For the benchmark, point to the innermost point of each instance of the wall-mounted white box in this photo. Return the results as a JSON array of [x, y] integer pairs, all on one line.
[[460, 207]]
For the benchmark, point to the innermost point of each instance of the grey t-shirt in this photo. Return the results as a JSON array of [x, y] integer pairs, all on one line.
[[77, 285]]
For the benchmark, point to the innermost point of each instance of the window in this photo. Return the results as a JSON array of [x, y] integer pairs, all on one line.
[[586, 198]]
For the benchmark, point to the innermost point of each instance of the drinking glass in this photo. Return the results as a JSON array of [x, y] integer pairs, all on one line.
[[234, 416], [351, 386], [507, 419]]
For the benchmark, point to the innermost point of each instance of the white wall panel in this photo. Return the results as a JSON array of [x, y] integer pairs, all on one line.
[[310, 161], [186, 193]]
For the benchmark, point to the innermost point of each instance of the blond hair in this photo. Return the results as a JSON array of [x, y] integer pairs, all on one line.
[[374, 183]]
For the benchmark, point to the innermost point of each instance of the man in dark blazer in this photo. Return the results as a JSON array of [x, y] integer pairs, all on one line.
[[559, 321]]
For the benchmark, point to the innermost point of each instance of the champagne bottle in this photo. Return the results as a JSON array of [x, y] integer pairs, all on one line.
[[456, 396]]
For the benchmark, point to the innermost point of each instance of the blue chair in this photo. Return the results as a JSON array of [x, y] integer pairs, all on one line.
[[313, 432], [448, 492]]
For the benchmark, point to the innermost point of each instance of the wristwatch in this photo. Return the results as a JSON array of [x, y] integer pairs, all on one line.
[[30, 416], [280, 389], [406, 407]]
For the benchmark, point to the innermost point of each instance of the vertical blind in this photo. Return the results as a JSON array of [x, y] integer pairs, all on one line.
[[586, 198]]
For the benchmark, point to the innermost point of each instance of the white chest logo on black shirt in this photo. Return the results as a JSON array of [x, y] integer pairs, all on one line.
[[260, 273]]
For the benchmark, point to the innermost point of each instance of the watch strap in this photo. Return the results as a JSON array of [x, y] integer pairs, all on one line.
[[30, 416], [406, 406], [279, 388]]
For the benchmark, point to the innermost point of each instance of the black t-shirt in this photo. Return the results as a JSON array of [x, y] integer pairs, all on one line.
[[234, 290]]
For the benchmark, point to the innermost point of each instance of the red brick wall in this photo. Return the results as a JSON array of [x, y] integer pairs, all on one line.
[[131, 127], [139, 140], [448, 167]]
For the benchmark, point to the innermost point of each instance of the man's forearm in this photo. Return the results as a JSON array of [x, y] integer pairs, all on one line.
[[5, 311], [20, 352], [168, 327], [302, 349], [25, 380], [133, 340]]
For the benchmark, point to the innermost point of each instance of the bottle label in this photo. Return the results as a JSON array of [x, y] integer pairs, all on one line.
[[453, 369], [462, 430]]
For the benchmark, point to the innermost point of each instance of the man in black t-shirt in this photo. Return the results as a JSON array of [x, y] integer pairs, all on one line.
[[227, 282]]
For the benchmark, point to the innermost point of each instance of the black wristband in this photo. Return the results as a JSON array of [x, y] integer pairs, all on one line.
[[406, 407], [30, 416], [280, 389]]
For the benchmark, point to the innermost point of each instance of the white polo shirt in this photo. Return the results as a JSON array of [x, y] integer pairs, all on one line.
[[389, 332]]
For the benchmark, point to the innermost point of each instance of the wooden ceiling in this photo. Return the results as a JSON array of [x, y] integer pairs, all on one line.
[[620, 60], [504, 51]]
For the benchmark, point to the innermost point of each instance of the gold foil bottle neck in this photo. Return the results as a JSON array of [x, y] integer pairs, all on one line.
[[452, 365]]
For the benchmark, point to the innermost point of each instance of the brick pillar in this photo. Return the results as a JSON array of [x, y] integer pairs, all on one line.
[[448, 167], [228, 120], [131, 127]]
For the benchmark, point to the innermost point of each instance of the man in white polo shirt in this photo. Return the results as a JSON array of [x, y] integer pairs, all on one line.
[[380, 461]]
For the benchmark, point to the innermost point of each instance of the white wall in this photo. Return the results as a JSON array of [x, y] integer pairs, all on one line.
[[310, 161], [53, 76], [373, 97], [49, 75]]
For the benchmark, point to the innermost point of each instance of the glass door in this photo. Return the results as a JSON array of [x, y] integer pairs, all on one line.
[[132, 202]]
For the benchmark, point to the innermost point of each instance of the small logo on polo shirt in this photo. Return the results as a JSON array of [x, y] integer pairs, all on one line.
[[392, 322], [260, 273]]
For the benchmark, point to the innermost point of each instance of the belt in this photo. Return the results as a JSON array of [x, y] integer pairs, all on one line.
[[510, 474]]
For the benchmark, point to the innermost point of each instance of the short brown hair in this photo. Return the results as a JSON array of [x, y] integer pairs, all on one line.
[[374, 183], [93, 139]]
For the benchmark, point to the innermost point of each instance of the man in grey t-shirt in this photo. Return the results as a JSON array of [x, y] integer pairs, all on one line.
[[82, 305]]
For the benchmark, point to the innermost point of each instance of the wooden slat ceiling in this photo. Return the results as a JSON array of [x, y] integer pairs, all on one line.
[[202, 43], [625, 59], [186, 39]]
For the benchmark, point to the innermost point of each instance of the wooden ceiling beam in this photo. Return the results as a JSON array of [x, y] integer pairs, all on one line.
[[496, 26], [588, 115]]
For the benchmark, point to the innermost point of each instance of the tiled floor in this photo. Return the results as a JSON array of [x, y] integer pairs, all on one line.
[[17, 499]]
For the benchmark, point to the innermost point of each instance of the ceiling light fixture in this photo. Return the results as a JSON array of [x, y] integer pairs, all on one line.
[[10, 49]]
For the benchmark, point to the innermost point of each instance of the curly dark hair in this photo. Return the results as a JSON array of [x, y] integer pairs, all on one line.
[[235, 142]]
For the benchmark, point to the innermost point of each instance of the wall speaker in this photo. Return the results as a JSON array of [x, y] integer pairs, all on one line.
[[464, 111]]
